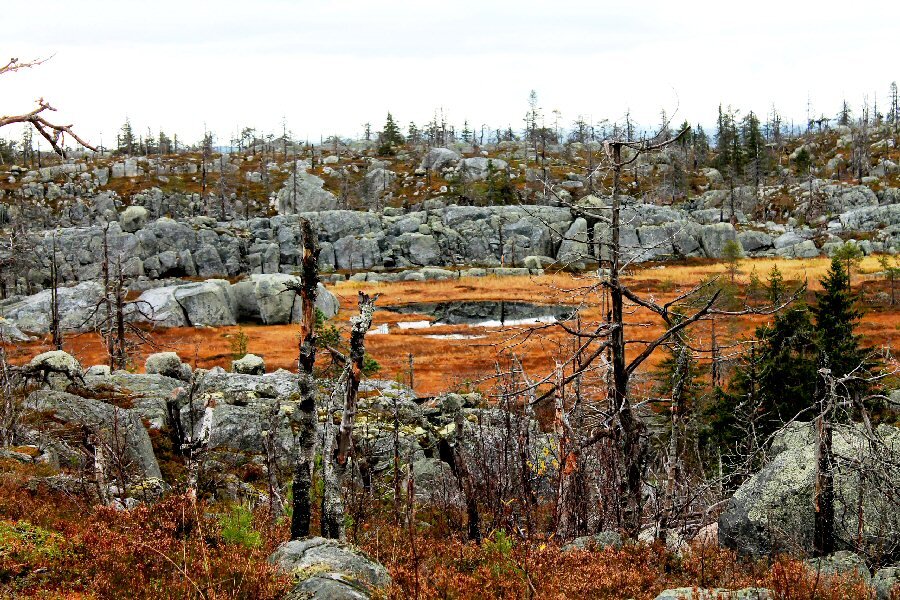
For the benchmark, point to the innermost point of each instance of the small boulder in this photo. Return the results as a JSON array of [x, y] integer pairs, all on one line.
[[250, 364], [133, 218], [439, 158], [843, 563], [56, 362], [329, 569], [9, 332], [98, 371], [168, 364], [599, 541]]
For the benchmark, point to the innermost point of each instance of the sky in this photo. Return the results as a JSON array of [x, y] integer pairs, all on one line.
[[328, 67]]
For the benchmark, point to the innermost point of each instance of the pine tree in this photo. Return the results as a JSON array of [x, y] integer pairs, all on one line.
[[732, 253], [783, 372], [699, 145], [723, 141], [850, 255]]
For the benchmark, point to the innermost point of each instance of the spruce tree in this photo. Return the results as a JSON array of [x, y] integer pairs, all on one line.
[[390, 137], [126, 138], [754, 147], [779, 379], [836, 316], [775, 285]]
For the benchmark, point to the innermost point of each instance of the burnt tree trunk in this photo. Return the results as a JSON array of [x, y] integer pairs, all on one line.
[[306, 437]]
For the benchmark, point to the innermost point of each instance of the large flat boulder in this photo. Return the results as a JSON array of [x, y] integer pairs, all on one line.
[[207, 303], [774, 511], [77, 309]]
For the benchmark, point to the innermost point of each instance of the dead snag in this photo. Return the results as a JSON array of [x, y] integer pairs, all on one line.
[[307, 289]]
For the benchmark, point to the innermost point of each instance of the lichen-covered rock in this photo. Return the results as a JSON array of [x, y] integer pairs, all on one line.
[[304, 192], [688, 593], [713, 238], [599, 541], [250, 364], [209, 303], [77, 309], [841, 563], [57, 362], [120, 429], [329, 569], [439, 158], [168, 364], [773, 511], [134, 218], [9, 332], [886, 581]]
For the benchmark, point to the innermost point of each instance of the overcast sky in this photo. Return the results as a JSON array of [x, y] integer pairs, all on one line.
[[328, 67]]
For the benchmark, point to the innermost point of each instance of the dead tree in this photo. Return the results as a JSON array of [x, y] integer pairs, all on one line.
[[114, 315], [9, 417], [53, 133], [823, 503], [336, 463], [55, 325], [622, 426], [307, 289]]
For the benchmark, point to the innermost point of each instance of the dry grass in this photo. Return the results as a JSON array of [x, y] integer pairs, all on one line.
[[442, 364]]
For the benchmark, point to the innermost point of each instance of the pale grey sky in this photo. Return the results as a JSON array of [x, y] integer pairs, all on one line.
[[328, 67]]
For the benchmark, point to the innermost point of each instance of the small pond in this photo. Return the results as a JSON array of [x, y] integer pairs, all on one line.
[[483, 313]]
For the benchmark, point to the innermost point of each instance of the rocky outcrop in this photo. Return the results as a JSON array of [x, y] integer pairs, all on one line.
[[210, 303], [120, 435], [438, 235], [438, 159], [598, 541], [480, 168], [304, 192], [77, 309], [885, 582], [840, 564], [774, 511]]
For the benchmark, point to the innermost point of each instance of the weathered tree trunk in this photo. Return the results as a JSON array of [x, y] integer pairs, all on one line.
[[306, 436], [55, 325], [630, 428], [121, 342], [680, 378], [359, 325], [332, 502], [570, 518], [823, 532], [336, 466]]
